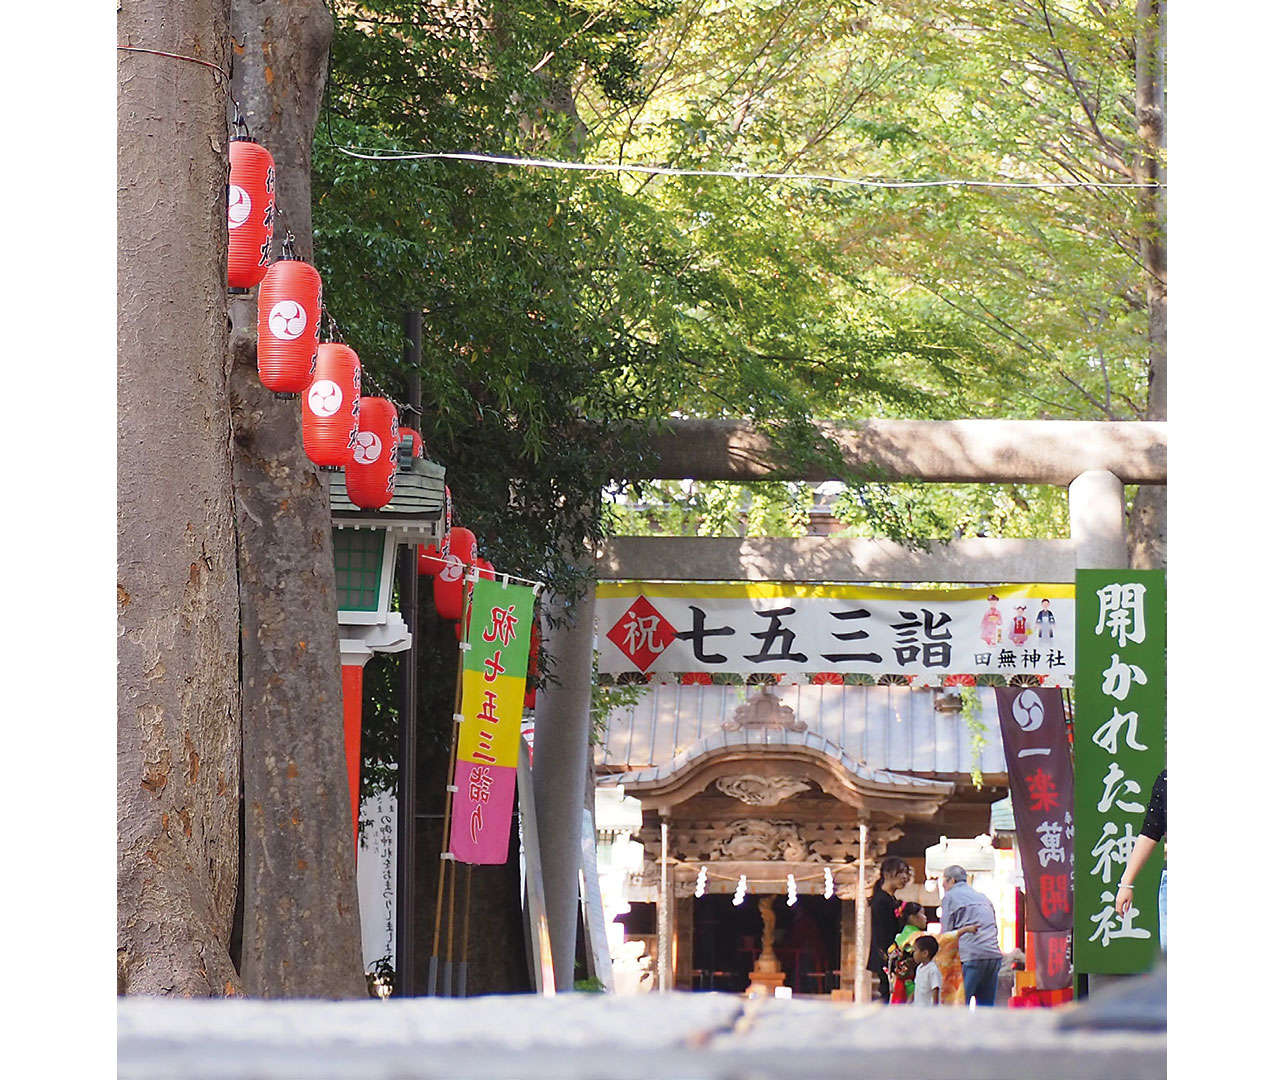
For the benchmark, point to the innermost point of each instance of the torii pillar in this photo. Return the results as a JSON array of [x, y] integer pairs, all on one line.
[[560, 773]]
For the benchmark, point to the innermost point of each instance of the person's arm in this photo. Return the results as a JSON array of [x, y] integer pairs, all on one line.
[[1141, 850], [936, 995], [971, 928]]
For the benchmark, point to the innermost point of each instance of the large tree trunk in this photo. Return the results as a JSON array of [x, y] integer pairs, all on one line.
[[1148, 524], [178, 715], [300, 930]]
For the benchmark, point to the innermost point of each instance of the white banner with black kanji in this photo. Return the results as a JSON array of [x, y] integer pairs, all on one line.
[[818, 633]]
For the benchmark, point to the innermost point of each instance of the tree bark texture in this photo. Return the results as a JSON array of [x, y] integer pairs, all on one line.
[[300, 930], [300, 934], [1148, 524], [280, 55], [178, 713]]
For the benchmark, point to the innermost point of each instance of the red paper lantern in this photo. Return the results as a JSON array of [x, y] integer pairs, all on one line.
[[331, 405], [485, 569], [289, 319], [370, 474], [251, 207], [416, 441], [458, 552], [430, 560], [461, 543]]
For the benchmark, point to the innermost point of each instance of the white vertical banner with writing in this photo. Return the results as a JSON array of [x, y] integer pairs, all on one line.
[[377, 880]]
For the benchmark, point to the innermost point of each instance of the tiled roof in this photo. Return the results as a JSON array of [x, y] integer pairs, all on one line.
[[768, 737], [889, 728]]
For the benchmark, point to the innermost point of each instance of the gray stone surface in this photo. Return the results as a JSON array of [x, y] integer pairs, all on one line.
[[945, 451], [1135, 1004], [831, 558], [588, 1036]]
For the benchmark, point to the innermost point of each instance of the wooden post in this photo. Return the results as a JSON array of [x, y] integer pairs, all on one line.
[[406, 744], [861, 986]]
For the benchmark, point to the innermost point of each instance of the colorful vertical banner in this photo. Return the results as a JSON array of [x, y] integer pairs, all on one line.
[[494, 684], [1032, 723], [1120, 724]]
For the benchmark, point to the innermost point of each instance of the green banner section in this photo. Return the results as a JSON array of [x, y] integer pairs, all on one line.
[[499, 630], [1119, 750]]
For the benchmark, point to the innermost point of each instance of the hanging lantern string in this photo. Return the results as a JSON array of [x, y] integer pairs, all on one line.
[[334, 332]]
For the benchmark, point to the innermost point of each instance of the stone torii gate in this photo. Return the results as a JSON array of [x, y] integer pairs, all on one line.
[[1093, 459]]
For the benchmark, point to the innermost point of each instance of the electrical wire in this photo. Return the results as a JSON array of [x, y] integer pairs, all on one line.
[[177, 56], [225, 76], [372, 154], [369, 154]]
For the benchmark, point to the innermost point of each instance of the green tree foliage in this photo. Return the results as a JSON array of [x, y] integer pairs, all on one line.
[[559, 306], [1036, 299]]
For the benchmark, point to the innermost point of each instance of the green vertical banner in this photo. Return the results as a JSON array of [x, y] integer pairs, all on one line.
[[493, 685], [1119, 749]]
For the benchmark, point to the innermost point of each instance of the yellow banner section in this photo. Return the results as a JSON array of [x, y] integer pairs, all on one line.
[[492, 712], [773, 590]]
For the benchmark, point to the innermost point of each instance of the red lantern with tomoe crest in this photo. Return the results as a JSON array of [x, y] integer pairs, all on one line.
[[251, 209], [458, 552], [429, 559], [331, 406], [371, 471], [289, 318]]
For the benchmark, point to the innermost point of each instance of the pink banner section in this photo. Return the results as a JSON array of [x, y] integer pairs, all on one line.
[[482, 812]]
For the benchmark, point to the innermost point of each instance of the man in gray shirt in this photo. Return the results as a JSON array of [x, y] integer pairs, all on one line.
[[979, 952]]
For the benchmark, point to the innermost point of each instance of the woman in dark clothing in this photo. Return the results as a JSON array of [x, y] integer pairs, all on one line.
[[893, 874], [1154, 829]]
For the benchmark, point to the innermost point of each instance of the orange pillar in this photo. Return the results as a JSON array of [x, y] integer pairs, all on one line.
[[352, 738]]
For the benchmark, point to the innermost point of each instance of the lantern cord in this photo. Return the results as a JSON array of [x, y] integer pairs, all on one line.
[[335, 333], [238, 121]]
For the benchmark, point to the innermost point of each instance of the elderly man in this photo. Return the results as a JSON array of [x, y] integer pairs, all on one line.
[[962, 906]]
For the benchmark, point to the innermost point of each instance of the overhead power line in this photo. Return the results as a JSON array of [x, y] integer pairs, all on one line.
[[369, 154]]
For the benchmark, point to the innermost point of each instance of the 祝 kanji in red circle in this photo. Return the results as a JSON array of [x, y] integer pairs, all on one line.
[[642, 633]]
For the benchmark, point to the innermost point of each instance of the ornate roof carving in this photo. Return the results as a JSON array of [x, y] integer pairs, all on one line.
[[755, 790]]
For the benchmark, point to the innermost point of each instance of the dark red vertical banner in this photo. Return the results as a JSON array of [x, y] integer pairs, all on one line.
[[1032, 723]]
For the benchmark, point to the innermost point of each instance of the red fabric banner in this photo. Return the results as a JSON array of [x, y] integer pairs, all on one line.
[[1032, 722]]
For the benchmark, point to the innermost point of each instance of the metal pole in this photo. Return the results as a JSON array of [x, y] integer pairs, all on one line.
[[406, 746], [860, 985]]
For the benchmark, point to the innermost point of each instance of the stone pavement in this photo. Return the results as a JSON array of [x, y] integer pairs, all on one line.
[[602, 1037]]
